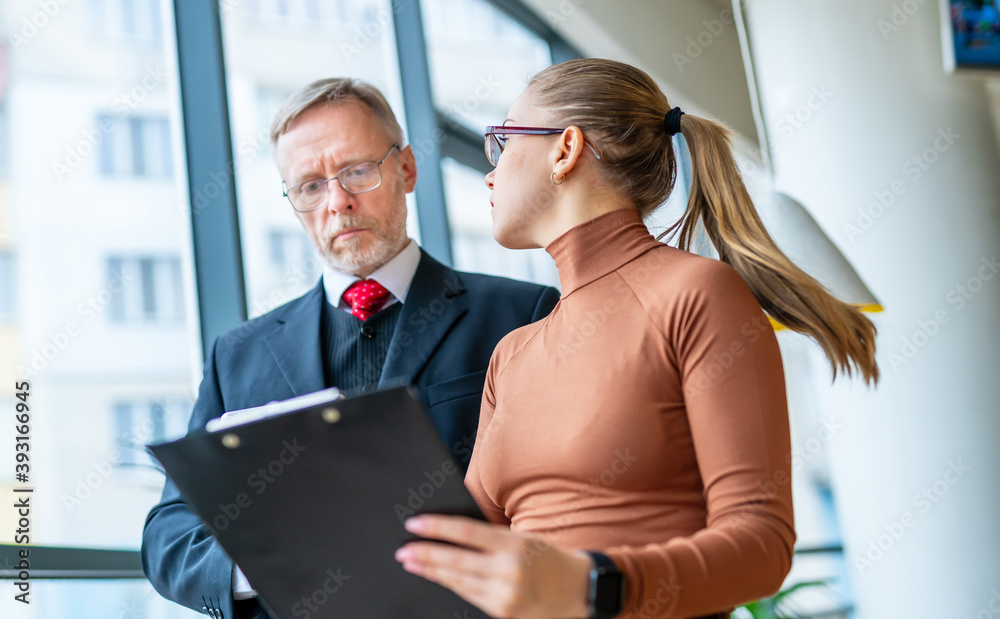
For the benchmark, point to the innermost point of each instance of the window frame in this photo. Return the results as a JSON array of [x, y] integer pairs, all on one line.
[[439, 135], [195, 34], [215, 233]]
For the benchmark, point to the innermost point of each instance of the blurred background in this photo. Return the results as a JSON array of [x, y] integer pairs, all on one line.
[[141, 215]]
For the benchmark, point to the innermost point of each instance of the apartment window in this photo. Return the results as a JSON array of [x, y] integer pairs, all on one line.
[[7, 287], [295, 263], [285, 10], [139, 423], [149, 290], [138, 20], [292, 251], [358, 13], [268, 100], [135, 146], [4, 141]]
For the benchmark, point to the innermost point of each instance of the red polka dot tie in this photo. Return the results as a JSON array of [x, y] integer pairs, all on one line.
[[365, 298]]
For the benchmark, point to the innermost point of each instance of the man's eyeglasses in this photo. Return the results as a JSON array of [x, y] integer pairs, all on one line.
[[357, 178], [496, 139]]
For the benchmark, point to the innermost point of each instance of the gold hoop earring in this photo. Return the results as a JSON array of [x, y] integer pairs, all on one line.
[[553, 179]]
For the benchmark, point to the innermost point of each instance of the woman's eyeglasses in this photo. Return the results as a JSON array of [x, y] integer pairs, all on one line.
[[496, 139]]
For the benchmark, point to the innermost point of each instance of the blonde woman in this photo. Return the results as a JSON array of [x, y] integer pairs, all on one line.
[[633, 453]]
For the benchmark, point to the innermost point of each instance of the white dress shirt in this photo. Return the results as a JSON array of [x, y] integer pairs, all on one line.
[[396, 277]]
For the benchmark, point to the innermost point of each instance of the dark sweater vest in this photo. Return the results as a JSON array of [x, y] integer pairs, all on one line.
[[354, 352]]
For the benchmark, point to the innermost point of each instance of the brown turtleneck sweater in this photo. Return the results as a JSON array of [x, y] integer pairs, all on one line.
[[644, 417]]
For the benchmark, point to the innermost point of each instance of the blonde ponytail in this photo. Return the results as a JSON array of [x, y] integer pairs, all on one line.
[[621, 109], [719, 199]]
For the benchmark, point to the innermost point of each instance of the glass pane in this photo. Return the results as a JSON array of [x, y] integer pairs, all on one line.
[[473, 246], [124, 599], [480, 59], [7, 287], [4, 139], [93, 243], [272, 49]]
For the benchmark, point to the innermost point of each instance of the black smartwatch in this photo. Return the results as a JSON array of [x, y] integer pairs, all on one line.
[[606, 593]]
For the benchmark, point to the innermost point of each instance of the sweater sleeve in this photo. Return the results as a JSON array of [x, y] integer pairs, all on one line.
[[492, 511], [734, 394]]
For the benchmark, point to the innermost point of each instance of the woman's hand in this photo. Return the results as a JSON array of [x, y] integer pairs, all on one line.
[[505, 574]]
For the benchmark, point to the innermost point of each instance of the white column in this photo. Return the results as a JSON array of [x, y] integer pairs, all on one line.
[[899, 163]]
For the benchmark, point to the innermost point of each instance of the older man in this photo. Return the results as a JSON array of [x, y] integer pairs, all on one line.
[[383, 312]]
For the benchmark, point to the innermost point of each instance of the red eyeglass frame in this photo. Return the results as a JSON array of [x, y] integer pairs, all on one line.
[[493, 130]]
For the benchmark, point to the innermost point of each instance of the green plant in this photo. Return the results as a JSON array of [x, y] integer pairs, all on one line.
[[770, 608]]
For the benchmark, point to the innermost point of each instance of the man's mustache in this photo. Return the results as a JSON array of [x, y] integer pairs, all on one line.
[[340, 225]]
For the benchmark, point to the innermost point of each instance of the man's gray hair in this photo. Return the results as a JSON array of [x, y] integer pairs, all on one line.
[[332, 91]]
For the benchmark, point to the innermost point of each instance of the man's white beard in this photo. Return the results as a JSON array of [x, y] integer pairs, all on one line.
[[348, 257]]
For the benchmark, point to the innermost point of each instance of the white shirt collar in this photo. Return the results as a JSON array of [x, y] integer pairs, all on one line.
[[395, 275]]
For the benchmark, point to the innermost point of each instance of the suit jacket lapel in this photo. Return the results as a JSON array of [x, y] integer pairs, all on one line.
[[295, 342], [435, 301]]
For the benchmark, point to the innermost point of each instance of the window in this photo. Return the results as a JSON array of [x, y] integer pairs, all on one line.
[[474, 86], [121, 599], [480, 60], [308, 13], [91, 252], [5, 65], [4, 140], [268, 100], [293, 267], [293, 258], [362, 12], [145, 289], [136, 20], [272, 48], [8, 303], [141, 422], [135, 146], [114, 252], [285, 10], [472, 240]]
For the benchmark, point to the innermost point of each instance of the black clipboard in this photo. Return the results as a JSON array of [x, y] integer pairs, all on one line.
[[310, 504]]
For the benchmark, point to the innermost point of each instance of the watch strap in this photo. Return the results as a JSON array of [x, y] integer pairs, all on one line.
[[601, 560]]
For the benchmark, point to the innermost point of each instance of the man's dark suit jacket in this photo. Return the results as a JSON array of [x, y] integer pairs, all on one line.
[[444, 337]]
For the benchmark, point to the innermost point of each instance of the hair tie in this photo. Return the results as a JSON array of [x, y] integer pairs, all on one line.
[[672, 121]]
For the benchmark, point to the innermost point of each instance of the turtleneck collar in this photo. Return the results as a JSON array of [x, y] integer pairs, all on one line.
[[600, 246]]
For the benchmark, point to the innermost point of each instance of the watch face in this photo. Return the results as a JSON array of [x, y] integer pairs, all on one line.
[[607, 593]]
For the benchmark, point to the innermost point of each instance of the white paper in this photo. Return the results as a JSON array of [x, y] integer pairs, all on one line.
[[279, 407]]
